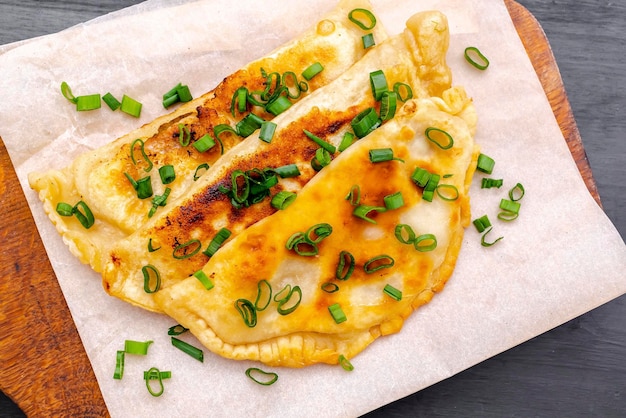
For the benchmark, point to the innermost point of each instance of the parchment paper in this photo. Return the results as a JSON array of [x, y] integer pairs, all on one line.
[[559, 259]]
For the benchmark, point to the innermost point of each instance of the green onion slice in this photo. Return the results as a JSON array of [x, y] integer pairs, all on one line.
[[267, 131], [88, 102], [67, 92], [148, 272], [250, 123], [405, 234], [247, 311], [85, 217], [177, 330], [365, 122], [368, 40], [447, 192], [186, 250], [278, 105], [345, 363], [119, 365], [482, 223], [431, 186], [510, 210], [488, 183], [346, 141], [312, 70], [420, 176], [130, 106], [363, 18], [400, 88], [329, 287], [425, 242], [261, 377], [144, 187], [393, 201], [381, 155], [290, 82], [111, 101], [283, 199], [364, 212], [476, 58], [239, 101], [305, 248], [318, 232], [392, 292], [287, 300], [65, 209], [154, 374], [379, 262], [322, 159], [204, 279], [187, 348], [167, 174], [345, 266], [354, 195], [517, 192], [319, 141], [151, 249], [484, 242], [388, 103], [485, 164], [337, 313], [159, 200], [293, 239], [263, 296], [139, 348], [439, 137], [143, 153], [184, 136], [289, 170], [205, 143], [378, 83], [218, 240], [203, 166], [240, 186]]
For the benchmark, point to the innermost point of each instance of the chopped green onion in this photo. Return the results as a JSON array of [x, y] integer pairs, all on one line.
[[204, 279], [425, 243], [204, 144], [485, 164], [481, 223], [365, 122], [420, 176], [431, 186], [337, 313], [298, 87], [203, 166], [289, 170], [239, 100], [139, 348], [319, 141], [363, 212], [218, 130], [247, 311], [86, 219], [312, 70], [278, 105], [241, 191], [510, 210], [130, 106], [378, 83], [345, 363], [392, 292], [111, 101], [167, 174], [354, 196], [177, 330], [399, 87], [159, 200], [67, 92], [144, 187], [483, 240], [250, 123], [65, 209], [143, 153], [379, 262], [179, 93], [267, 131], [305, 248], [405, 234], [488, 183], [345, 266], [184, 94], [393, 201], [471, 53], [263, 296], [329, 287], [285, 300], [187, 348], [184, 136], [217, 241], [346, 141], [182, 252], [382, 154], [154, 374], [318, 232], [447, 192], [151, 249], [283, 199], [88, 102], [368, 40], [388, 103], [517, 192], [261, 377], [363, 18], [148, 271], [119, 365], [294, 239], [444, 143], [321, 159]]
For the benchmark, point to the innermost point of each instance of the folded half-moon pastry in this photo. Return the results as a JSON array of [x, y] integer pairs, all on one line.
[[367, 240], [185, 230], [104, 178]]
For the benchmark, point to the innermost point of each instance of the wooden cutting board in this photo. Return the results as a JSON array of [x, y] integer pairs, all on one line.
[[43, 365]]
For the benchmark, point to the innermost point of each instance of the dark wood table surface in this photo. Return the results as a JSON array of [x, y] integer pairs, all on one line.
[[575, 370]]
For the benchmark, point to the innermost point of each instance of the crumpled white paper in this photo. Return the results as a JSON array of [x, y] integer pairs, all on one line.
[[560, 258]]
